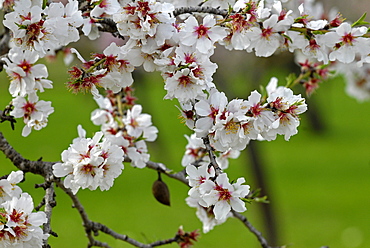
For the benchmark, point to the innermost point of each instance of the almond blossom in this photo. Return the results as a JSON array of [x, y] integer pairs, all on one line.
[[90, 163], [19, 226], [35, 113], [140, 20], [140, 125], [26, 76], [287, 108], [8, 187], [223, 195], [202, 36], [347, 43], [266, 40]]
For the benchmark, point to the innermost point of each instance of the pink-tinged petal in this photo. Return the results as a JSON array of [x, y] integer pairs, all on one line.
[[221, 209], [344, 29], [81, 132], [207, 188], [270, 22], [209, 21], [26, 131], [217, 33], [203, 125], [191, 22], [204, 45], [223, 181], [192, 171], [202, 108], [237, 204], [37, 219]]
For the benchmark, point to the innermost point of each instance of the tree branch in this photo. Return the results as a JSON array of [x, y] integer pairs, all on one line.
[[212, 156], [199, 9], [252, 229]]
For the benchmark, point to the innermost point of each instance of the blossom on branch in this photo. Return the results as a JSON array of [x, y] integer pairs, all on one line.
[[19, 227], [8, 187], [202, 36], [35, 113], [129, 130], [26, 76], [90, 163]]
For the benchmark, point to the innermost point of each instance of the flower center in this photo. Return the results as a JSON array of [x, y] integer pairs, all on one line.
[[223, 194], [202, 31], [232, 127], [348, 39]]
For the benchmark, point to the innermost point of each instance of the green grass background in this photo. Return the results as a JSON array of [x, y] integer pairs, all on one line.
[[319, 182]]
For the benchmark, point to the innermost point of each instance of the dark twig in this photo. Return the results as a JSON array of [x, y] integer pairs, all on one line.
[[212, 156], [180, 176], [5, 116], [252, 229], [50, 203], [199, 9], [108, 25]]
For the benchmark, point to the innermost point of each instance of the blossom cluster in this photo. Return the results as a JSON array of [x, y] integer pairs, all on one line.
[[231, 125], [214, 196], [19, 226], [26, 79], [90, 163], [124, 124], [96, 162]]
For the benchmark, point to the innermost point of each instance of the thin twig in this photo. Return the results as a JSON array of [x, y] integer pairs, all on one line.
[[180, 176], [252, 229], [212, 156], [199, 9]]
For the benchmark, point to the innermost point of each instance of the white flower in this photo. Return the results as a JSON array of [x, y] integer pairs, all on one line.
[[33, 112], [202, 36], [197, 176], [138, 154], [8, 187], [30, 31], [119, 69], [287, 107], [223, 195], [184, 86], [20, 227], [194, 150], [140, 125], [262, 117], [208, 110], [142, 20], [90, 163], [25, 75], [228, 131], [64, 20], [348, 43], [266, 40]]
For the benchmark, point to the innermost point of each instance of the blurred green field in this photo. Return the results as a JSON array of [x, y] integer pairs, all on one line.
[[319, 182]]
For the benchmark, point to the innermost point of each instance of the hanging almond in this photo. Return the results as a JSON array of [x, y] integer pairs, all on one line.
[[161, 191]]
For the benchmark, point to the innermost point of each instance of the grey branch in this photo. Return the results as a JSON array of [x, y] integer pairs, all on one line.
[[252, 229], [199, 9], [212, 156]]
